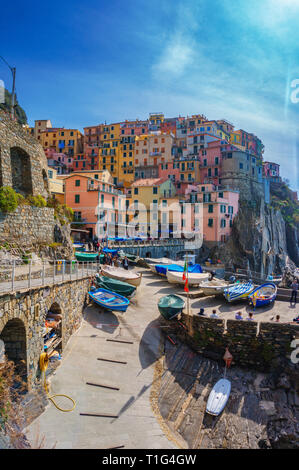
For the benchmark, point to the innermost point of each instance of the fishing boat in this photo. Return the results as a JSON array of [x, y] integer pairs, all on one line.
[[83, 256], [194, 279], [214, 287], [238, 291], [263, 295], [122, 275], [122, 288], [170, 306], [133, 259], [79, 246], [218, 397], [109, 300], [162, 269]]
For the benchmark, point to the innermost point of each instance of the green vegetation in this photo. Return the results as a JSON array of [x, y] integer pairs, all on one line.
[[62, 212], [9, 199], [36, 201], [282, 199]]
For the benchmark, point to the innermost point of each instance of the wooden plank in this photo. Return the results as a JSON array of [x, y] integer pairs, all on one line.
[[111, 360], [119, 341], [99, 415], [102, 386]]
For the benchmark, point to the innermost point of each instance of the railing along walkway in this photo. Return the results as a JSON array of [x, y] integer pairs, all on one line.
[[27, 276]]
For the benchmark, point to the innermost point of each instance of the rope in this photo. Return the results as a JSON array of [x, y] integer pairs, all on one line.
[[43, 364]]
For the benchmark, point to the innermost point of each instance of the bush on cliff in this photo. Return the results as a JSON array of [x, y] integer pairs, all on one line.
[[9, 199], [36, 201]]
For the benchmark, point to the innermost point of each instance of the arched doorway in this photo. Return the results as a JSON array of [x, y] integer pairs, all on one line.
[[53, 334], [20, 171], [14, 337], [45, 180]]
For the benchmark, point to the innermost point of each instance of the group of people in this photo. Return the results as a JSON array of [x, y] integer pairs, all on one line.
[[238, 315], [115, 261]]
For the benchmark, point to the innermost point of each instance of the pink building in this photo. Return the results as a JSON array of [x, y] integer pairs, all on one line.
[[271, 171], [90, 200], [169, 170], [220, 207], [133, 128]]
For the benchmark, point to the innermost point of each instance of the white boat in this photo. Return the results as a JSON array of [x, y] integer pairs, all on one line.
[[214, 287], [122, 275], [193, 278], [218, 397]]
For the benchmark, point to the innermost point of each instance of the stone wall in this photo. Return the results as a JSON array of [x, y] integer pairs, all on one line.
[[260, 349], [23, 164], [28, 226], [30, 309]]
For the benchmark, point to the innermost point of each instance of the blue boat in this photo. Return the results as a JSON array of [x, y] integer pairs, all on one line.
[[263, 295], [238, 291], [109, 300], [163, 268]]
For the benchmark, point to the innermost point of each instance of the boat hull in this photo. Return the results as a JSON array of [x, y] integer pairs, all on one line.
[[238, 292], [263, 295], [109, 300], [213, 288], [122, 275], [82, 256], [218, 397], [121, 288], [170, 306], [193, 278]]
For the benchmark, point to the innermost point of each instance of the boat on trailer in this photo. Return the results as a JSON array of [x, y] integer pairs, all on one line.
[[263, 295], [109, 300]]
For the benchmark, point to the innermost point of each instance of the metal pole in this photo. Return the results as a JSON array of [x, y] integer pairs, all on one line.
[[13, 276], [63, 270], [54, 272], [13, 71], [77, 270]]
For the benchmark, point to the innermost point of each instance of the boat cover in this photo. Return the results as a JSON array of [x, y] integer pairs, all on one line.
[[162, 268]]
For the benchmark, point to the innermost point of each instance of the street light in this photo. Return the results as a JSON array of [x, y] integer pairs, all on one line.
[[13, 71]]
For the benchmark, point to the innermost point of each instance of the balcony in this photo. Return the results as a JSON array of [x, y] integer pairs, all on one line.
[[155, 154]]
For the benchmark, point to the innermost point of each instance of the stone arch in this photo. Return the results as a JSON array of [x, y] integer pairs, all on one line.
[[21, 171], [14, 337]]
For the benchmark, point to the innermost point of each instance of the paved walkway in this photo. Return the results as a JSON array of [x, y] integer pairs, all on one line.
[[136, 426]]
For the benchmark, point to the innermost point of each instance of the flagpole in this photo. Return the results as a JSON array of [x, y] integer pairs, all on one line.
[[188, 304]]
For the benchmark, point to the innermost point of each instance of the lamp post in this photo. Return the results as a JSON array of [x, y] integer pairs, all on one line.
[[13, 71]]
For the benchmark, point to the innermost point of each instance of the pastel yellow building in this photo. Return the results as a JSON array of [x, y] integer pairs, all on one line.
[[109, 152], [56, 185], [153, 149], [67, 141]]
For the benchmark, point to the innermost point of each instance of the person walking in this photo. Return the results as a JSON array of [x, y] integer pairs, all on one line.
[[125, 263], [294, 287]]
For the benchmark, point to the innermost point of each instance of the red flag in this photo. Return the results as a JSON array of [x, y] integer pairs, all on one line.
[[186, 288]]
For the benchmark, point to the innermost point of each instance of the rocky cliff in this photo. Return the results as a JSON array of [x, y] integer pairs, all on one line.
[[258, 240]]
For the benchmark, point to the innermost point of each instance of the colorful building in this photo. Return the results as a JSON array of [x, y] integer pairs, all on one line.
[[271, 171], [95, 202]]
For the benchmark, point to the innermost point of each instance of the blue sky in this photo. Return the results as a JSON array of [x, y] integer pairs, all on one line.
[[83, 63]]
